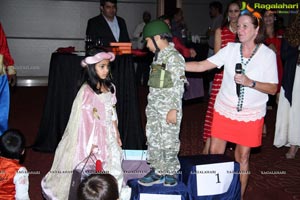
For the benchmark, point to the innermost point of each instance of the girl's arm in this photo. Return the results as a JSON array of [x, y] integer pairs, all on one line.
[[115, 124], [217, 45]]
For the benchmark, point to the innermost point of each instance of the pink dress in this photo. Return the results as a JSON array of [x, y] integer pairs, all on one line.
[[90, 125]]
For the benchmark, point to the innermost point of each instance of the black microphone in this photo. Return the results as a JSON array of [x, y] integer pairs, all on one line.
[[238, 70]]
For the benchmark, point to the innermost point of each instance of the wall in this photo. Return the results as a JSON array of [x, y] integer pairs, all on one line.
[[36, 28]]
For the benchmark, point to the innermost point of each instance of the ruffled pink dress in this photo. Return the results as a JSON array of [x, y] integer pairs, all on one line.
[[90, 126]]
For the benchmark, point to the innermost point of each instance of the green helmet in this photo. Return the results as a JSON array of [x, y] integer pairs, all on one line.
[[155, 27]]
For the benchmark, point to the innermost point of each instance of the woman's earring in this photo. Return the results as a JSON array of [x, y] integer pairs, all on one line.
[[228, 18]]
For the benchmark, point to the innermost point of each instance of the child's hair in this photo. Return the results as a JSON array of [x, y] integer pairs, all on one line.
[[98, 187], [12, 144], [91, 77]]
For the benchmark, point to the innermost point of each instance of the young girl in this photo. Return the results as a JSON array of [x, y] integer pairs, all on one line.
[[92, 127], [14, 182]]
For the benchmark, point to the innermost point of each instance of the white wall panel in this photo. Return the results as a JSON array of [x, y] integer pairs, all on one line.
[[36, 28]]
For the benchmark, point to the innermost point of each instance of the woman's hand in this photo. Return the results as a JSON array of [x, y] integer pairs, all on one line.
[[242, 79], [94, 149], [172, 116]]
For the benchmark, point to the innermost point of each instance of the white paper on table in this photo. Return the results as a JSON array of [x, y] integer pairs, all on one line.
[[214, 179], [144, 196]]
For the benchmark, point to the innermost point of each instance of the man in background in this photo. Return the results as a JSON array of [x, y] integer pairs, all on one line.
[[143, 63], [215, 12], [138, 32], [216, 19], [107, 27]]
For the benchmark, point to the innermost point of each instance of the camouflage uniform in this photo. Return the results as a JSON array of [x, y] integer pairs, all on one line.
[[162, 138]]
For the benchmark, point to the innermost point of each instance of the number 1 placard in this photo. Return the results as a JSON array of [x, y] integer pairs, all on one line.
[[214, 179]]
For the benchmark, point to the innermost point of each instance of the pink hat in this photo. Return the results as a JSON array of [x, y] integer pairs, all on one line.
[[97, 58]]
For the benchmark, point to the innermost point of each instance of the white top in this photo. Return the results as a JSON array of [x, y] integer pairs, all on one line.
[[21, 184], [138, 35], [261, 68], [114, 27]]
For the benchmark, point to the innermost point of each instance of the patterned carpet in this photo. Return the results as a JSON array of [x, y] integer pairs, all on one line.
[[272, 176]]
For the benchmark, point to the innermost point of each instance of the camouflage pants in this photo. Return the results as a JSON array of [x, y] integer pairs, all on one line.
[[162, 139]]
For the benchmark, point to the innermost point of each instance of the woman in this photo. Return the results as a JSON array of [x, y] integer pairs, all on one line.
[[287, 121], [258, 79], [223, 35], [273, 41]]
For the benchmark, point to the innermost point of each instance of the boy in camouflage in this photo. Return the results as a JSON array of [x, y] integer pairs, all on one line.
[[164, 109]]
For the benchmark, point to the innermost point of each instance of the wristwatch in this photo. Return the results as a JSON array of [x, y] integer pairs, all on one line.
[[253, 84]]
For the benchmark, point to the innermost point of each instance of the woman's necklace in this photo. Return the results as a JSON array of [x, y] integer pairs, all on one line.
[[242, 58], [241, 97], [231, 29]]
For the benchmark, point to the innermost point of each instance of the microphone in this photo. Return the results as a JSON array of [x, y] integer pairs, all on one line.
[[238, 70]]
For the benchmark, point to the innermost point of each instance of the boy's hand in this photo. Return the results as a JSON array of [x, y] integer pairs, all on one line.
[[172, 116]]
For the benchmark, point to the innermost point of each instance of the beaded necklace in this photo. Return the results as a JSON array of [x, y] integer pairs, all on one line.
[[241, 97], [231, 29]]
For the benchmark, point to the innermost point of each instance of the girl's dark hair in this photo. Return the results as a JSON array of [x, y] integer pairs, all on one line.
[[93, 79], [275, 22], [98, 187], [257, 22], [12, 144], [225, 22]]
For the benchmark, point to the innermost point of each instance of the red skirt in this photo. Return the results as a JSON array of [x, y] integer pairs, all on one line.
[[244, 133]]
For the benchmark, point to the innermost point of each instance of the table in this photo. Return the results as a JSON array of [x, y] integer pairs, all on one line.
[[65, 77]]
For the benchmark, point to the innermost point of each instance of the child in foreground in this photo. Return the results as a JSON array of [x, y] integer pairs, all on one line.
[[14, 181]]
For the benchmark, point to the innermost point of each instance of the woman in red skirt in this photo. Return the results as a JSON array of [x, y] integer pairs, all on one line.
[[240, 106], [223, 35]]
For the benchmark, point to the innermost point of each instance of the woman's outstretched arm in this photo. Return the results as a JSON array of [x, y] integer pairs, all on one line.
[[200, 66]]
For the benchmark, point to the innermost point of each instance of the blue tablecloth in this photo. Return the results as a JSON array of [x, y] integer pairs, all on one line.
[[188, 166], [187, 185]]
